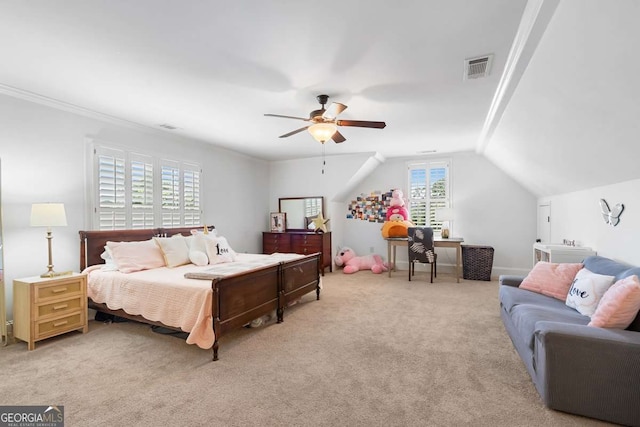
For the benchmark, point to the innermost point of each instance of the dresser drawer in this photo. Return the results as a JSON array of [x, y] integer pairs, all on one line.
[[57, 290], [60, 307], [58, 326]]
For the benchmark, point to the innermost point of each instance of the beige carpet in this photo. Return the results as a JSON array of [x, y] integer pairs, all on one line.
[[373, 351]]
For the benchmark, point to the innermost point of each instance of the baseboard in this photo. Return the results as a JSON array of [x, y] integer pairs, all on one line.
[[445, 268]]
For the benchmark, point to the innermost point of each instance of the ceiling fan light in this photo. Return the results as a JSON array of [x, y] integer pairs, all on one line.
[[322, 132]]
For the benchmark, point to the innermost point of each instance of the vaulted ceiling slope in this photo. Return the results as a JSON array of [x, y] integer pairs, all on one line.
[[212, 69], [572, 122]]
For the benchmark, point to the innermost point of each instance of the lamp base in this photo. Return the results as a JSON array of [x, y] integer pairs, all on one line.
[[444, 233], [55, 274]]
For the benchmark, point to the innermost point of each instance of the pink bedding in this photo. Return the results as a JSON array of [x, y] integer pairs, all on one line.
[[165, 295]]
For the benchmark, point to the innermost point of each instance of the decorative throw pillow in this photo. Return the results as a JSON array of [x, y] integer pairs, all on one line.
[[109, 263], [136, 256], [174, 250], [619, 305], [586, 291], [551, 279], [197, 249], [219, 251]]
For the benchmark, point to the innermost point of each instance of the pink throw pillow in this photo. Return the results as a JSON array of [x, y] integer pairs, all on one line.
[[551, 279], [619, 305], [136, 256]]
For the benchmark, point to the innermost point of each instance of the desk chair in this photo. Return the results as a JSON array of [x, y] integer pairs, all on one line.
[[421, 249]]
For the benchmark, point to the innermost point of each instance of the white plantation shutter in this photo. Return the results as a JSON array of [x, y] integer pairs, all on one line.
[[142, 215], [191, 196], [428, 190], [136, 190], [170, 182], [110, 179]]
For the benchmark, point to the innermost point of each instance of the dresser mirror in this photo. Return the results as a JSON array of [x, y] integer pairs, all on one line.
[[3, 308], [300, 211]]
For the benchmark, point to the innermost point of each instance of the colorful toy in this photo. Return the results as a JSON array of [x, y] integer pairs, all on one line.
[[352, 263], [397, 222]]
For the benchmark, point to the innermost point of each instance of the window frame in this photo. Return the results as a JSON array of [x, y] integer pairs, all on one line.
[[429, 203], [135, 215]]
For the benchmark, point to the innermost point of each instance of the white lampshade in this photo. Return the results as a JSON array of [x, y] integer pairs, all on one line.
[[322, 131], [48, 215], [444, 214]]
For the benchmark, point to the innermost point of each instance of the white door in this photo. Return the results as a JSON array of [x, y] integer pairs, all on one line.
[[544, 222]]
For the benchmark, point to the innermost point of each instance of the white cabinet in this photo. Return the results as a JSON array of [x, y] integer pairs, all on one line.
[[560, 253]]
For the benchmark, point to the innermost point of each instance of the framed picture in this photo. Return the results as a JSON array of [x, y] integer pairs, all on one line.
[[278, 221]]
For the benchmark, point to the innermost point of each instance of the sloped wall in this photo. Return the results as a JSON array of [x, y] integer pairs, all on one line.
[[490, 208]]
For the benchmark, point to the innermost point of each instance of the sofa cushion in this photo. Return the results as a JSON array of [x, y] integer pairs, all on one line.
[[526, 316], [586, 291], [552, 279], [619, 305], [511, 296]]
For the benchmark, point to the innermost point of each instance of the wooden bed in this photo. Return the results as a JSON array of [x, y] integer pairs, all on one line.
[[237, 299]]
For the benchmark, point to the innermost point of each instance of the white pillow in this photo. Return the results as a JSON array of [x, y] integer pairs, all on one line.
[[197, 249], [586, 291], [109, 263], [174, 250], [219, 251]]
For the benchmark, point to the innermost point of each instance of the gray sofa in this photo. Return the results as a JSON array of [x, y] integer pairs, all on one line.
[[594, 372]]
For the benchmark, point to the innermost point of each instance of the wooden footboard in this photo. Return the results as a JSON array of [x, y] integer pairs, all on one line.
[[237, 299]]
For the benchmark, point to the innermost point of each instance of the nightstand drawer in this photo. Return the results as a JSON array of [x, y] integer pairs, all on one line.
[[57, 326], [60, 307], [58, 290], [44, 307]]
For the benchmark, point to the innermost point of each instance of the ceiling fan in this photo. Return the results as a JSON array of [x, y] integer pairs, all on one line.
[[324, 122]]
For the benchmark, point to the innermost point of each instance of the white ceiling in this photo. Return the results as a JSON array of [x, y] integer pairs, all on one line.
[[213, 68], [559, 111]]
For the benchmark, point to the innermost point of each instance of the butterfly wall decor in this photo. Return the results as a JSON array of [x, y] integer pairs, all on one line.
[[611, 216]]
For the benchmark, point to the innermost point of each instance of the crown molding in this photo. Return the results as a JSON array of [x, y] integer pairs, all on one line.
[[75, 109]]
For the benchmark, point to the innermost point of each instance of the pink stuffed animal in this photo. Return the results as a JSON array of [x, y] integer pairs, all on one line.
[[353, 263], [397, 198]]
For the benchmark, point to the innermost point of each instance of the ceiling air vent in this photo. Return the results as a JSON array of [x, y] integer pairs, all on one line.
[[477, 67]]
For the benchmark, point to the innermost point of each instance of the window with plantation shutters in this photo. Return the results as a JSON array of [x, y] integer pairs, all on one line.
[[429, 190], [135, 190], [111, 206]]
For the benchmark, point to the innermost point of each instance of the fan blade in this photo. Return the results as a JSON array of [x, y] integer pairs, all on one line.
[[361, 124], [293, 132], [338, 138], [334, 109], [287, 117]]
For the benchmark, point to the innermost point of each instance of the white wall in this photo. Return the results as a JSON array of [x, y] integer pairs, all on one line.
[[43, 159], [576, 216], [490, 208]]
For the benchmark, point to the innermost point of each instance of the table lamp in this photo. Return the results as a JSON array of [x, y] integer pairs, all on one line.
[[444, 215], [49, 215]]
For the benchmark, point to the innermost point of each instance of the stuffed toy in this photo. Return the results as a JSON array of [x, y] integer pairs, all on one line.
[[397, 198], [353, 263], [397, 223]]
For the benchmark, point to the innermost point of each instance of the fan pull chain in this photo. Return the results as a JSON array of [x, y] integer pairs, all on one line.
[[323, 162]]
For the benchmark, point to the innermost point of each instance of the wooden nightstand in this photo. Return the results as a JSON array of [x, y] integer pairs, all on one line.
[[46, 307]]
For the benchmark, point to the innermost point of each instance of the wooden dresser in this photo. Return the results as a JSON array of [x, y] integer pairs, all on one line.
[[299, 242], [46, 307]]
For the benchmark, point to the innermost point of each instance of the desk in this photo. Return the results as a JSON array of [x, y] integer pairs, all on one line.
[[438, 242]]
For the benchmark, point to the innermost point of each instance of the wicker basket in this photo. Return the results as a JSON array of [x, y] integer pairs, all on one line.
[[477, 262]]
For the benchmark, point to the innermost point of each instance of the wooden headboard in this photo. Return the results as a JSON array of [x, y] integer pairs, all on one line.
[[92, 242]]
